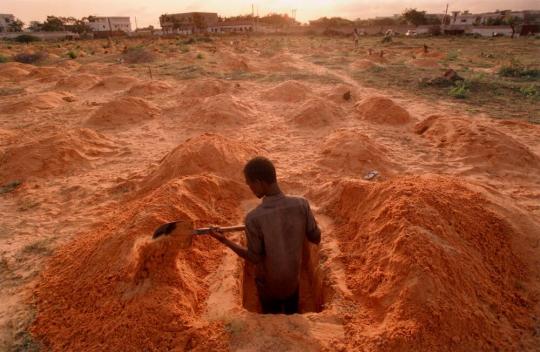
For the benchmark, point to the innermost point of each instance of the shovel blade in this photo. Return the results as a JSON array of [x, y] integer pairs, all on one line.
[[182, 229]]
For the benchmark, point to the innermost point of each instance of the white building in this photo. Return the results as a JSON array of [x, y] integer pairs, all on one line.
[[5, 20], [115, 24]]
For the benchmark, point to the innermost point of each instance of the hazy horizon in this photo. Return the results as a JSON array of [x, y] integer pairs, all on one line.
[[37, 10]]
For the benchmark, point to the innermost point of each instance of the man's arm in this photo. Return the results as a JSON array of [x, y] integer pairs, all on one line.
[[255, 247], [312, 230]]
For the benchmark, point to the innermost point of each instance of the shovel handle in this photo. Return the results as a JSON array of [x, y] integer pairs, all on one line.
[[207, 230]]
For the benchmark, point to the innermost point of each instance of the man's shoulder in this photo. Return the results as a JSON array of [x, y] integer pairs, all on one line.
[[301, 201]]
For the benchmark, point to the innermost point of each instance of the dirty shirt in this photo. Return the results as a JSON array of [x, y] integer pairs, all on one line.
[[276, 230]]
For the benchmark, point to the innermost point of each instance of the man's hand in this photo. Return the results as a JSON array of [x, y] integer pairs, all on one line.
[[218, 235]]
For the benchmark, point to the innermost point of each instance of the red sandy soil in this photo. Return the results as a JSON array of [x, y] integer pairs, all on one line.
[[316, 113], [430, 265], [382, 110], [58, 154], [438, 253], [124, 111]]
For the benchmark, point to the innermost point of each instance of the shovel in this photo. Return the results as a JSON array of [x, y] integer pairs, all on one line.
[[184, 230]]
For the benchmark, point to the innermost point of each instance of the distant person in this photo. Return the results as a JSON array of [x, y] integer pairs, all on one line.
[[275, 231], [356, 37]]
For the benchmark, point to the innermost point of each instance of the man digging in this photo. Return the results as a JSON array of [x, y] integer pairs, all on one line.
[[275, 232]]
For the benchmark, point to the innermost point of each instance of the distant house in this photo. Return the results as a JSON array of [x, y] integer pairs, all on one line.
[[5, 20], [189, 22], [489, 23], [111, 24]]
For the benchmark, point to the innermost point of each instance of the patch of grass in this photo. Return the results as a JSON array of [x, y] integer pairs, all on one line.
[[10, 186], [452, 55], [3, 59], [281, 77], [31, 58], [138, 55], [517, 70], [460, 91], [72, 54], [234, 327], [200, 56], [529, 91], [23, 340], [27, 205], [41, 247], [4, 91]]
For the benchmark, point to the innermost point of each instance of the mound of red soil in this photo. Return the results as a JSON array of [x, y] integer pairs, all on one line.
[[92, 68], [206, 154], [350, 152], [115, 288], [430, 265], [58, 154], [46, 74], [219, 111], [78, 81], [69, 65], [151, 88], [13, 71], [103, 69], [6, 136], [288, 92], [205, 88], [383, 111], [427, 62], [38, 102], [123, 111], [482, 147], [338, 94], [363, 64], [233, 62], [116, 82], [316, 113]]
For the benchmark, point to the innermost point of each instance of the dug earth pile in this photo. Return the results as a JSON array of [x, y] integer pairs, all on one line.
[[431, 267], [59, 154], [99, 292]]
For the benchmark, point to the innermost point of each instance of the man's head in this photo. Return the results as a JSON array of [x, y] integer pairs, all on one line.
[[260, 176]]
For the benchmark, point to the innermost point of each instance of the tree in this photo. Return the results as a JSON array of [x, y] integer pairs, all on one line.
[[514, 22], [35, 26], [15, 26], [331, 22], [415, 17], [75, 25], [53, 24], [278, 20]]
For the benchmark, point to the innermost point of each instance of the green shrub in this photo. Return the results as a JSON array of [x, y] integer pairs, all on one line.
[[452, 55], [3, 59], [72, 55], [530, 91], [27, 38], [460, 91], [515, 69], [200, 56]]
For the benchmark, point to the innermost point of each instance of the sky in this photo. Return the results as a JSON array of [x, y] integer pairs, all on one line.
[[148, 12]]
